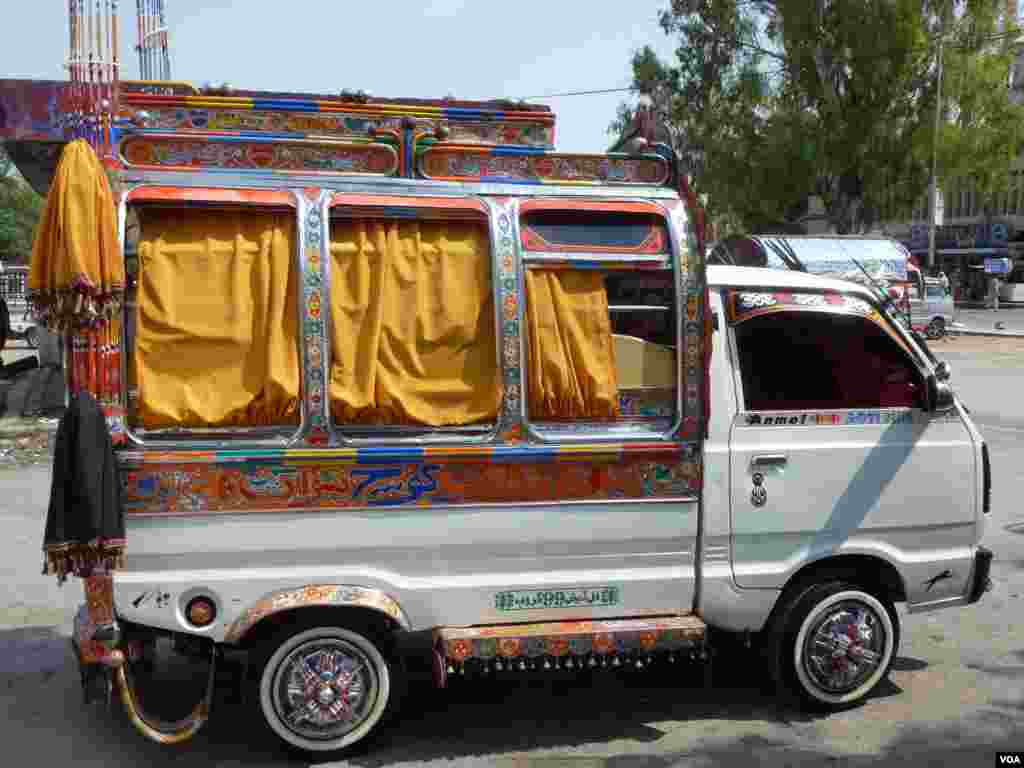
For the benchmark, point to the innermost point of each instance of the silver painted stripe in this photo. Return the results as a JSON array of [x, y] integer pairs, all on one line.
[[399, 509], [343, 575]]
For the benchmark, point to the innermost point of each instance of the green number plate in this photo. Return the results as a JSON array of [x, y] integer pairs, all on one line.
[[539, 599]]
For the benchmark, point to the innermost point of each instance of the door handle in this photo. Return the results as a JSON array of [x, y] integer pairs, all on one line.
[[769, 460]]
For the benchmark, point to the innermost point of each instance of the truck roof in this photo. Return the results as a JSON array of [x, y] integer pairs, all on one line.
[[720, 276]]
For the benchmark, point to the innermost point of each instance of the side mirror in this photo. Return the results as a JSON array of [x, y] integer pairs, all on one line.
[[942, 371], [940, 396]]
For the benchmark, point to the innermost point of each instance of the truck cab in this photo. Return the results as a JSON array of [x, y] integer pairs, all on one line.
[[835, 464]]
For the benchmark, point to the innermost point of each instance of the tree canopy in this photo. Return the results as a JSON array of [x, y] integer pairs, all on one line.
[[20, 208], [772, 101]]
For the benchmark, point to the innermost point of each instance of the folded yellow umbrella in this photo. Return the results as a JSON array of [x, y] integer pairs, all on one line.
[[76, 279]]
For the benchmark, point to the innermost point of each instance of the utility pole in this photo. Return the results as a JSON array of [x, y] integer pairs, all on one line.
[[933, 191]]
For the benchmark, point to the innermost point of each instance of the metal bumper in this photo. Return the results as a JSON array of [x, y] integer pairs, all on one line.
[[977, 585], [103, 668], [980, 581]]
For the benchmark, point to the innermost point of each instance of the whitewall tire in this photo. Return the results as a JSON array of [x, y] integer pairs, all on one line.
[[323, 690]]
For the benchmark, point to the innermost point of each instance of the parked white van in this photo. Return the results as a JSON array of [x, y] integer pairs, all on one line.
[[404, 392]]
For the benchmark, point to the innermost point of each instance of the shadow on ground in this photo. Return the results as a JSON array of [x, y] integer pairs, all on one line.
[[41, 702]]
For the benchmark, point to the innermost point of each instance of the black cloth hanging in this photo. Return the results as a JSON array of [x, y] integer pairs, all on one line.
[[85, 520]]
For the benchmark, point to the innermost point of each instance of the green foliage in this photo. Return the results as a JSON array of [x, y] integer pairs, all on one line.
[[983, 131], [20, 209], [772, 101]]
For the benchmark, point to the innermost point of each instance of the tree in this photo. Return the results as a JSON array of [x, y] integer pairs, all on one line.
[[772, 101], [20, 209], [983, 131]]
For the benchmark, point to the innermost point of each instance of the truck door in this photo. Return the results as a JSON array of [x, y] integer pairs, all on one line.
[[832, 451]]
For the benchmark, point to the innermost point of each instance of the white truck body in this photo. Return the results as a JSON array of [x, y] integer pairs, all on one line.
[[897, 487]]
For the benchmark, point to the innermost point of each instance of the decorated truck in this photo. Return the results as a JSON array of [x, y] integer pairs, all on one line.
[[358, 383]]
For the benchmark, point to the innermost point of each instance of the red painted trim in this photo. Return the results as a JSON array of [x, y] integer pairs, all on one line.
[[531, 240], [395, 201], [570, 206], [211, 195], [653, 244]]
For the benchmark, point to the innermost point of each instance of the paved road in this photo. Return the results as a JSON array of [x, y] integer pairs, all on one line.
[[985, 319], [957, 693]]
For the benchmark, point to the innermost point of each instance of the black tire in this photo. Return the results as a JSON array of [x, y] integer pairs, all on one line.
[[342, 655], [32, 337], [805, 615]]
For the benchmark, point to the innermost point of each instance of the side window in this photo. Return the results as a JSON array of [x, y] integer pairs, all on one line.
[[212, 331], [601, 348], [818, 361], [600, 321], [413, 326]]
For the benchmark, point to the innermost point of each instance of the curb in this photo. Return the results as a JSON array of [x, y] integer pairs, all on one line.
[[22, 430], [991, 334]]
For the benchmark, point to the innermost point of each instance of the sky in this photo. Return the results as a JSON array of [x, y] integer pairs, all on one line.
[[472, 49]]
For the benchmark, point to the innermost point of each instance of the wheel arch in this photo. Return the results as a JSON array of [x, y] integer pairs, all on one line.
[[867, 571], [345, 605]]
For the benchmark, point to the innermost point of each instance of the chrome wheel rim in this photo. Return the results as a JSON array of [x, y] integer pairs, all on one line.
[[324, 689], [844, 646]]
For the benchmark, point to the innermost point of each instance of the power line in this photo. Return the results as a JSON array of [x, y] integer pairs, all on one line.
[[866, 57], [580, 93]]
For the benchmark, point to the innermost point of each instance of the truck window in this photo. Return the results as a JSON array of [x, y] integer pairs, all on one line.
[[601, 347], [589, 231], [413, 325], [809, 361], [212, 328]]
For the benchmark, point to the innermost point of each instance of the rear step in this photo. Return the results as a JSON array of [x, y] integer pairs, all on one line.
[[565, 644]]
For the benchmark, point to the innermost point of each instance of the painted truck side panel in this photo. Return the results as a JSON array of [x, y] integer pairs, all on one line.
[[444, 566]]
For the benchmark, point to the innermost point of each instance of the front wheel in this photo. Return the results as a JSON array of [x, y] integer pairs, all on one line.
[[32, 337], [834, 643], [324, 689]]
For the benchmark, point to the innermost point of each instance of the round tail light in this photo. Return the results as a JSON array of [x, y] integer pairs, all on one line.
[[200, 611]]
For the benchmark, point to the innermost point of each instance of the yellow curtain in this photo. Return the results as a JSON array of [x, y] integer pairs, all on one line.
[[571, 371], [217, 333], [412, 323], [76, 277]]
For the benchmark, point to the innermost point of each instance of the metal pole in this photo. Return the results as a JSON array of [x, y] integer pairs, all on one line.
[[933, 192]]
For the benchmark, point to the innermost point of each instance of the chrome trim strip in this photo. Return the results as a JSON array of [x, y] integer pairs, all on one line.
[[388, 185], [560, 257], [400, 509], [935, 605]]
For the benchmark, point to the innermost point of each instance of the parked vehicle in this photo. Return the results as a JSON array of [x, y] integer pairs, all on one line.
[[932, 313], [396, 398], [1012, 290], [23, 326]]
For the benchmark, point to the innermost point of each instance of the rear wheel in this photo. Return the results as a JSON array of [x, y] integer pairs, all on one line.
[[834, 643], [323, 690], [32, 337], [936, 328]]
